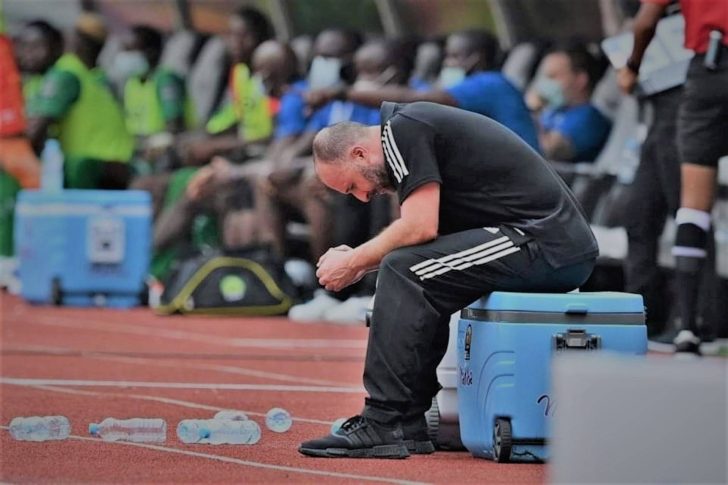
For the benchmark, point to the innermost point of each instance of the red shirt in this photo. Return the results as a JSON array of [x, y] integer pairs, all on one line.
[[701, 16]]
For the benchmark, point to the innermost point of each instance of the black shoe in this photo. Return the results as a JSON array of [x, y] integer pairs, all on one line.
[[416, 438], [687, 343], [359, 437]]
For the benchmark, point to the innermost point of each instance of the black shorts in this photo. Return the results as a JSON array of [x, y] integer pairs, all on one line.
[[703, 116]]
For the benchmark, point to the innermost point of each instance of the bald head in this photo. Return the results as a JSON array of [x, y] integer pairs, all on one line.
[[332, 144], [275, 63], [338, 43], [349, 159]]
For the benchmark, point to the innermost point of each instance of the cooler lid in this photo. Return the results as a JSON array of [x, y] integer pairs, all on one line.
[[571, 303], [80, 196]]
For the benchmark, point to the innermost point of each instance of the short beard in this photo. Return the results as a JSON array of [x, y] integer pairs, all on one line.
[[378, 176]]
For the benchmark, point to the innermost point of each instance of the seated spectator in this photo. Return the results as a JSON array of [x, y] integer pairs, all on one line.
[[245, 118], [427, 65], [91, 128], [571, 129], [468, 79], [38, 47], [155, 98], [377, 64], [218, 193]]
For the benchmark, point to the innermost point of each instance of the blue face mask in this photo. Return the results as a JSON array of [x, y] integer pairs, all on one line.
[[130, 63], [450, 76], [325, 72], [551, 92]]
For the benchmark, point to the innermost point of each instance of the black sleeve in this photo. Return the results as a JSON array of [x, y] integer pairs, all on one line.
[[409, 151]]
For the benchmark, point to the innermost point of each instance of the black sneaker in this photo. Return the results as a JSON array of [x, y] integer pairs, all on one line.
[[416, 438], [687, 343], [359, 437]]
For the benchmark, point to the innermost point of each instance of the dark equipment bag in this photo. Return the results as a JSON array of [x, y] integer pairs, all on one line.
[[248, 283]]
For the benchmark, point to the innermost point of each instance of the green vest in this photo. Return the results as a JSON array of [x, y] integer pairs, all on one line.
[[250, 108], [94, 126], [143, 108]]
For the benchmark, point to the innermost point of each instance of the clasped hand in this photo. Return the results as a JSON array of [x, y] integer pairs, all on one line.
[[335, 270]]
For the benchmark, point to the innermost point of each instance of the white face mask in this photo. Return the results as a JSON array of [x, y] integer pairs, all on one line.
[[130, 63], [550, 91], [325, 72], [450, 76]]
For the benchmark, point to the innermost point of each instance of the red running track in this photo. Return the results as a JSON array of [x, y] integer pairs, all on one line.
[[88, 364]]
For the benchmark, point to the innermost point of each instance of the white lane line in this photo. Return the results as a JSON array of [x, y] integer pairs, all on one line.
[[179, 385], [177, 364], [150, 330], [253, 464], [164, 400]]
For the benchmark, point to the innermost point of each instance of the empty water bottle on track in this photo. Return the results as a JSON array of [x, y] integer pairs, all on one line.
[[137, 430], [40, 428], [278, 420], [218, 431]]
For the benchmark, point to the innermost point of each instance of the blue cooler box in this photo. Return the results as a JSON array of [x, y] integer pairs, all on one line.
[[83, 247], [505, 345]]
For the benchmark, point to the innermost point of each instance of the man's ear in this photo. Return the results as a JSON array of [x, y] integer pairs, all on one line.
[[358, 152]]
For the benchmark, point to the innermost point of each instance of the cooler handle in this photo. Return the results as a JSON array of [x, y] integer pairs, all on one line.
[[576, 309], [576, 340]]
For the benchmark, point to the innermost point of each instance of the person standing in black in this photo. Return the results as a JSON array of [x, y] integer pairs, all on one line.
[[702, 125], [480, 211]]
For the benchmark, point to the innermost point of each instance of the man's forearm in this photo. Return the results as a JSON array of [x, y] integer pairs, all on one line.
[[397, 94], [644, 28], [398, 234]]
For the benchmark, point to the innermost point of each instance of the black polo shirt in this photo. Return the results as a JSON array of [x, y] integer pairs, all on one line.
[[488, 177]]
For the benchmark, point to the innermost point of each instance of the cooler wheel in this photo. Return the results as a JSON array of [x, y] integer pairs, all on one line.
[[502, 440], [56, 292]]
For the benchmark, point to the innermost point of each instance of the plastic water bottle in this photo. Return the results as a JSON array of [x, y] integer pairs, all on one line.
[[278, 420], [51, 178], [336, 425], [218, 431], [138, 430], [231, 415], [40, 428]]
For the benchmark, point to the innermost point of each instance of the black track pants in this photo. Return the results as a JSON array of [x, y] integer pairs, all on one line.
[[419, 287]]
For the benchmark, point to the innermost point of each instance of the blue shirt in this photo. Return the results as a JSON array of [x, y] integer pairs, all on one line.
[[584, 126], [491, 94], [291, 119], [337, 111]]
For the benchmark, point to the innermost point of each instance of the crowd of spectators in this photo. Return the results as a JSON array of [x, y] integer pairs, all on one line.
[[241, 175]]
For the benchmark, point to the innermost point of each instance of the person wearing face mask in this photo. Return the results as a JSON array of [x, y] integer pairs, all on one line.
[[76, 98], [468, 80], [223, 190], [155, 99], [571, 129], [245, 118], [378, 63]]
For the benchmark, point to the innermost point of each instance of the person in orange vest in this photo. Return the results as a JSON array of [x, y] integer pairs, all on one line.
[[19, 167]]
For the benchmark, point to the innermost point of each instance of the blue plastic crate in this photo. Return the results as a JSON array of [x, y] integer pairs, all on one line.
[[83, 247], [505, 345]]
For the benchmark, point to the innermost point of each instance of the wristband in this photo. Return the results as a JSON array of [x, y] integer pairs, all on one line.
[[633, 66]]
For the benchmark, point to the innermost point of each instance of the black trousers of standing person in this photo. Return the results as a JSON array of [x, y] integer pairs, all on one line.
[[653, 195], [419, 287]]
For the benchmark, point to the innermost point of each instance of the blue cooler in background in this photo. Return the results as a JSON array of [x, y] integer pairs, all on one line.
[[83, 247], [505, 344]]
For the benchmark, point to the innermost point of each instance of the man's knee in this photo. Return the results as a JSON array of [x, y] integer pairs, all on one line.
[[399, 261]]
